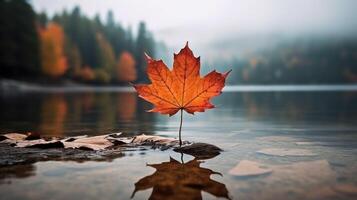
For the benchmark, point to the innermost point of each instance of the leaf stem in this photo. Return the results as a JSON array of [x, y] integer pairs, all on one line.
[[181, 112]]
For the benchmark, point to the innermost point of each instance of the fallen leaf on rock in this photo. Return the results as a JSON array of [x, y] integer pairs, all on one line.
[[250, 168], [157, 140], [286, 152], [98, 140], [12, 137], [89, 143], [113, 141], [85, 146]]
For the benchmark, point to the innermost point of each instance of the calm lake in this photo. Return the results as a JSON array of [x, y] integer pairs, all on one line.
[[305, 137]]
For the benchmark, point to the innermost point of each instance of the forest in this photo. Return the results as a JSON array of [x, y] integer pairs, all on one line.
[[303, 60], [69, 45]]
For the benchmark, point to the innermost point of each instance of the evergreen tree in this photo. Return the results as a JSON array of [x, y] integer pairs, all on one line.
[[19, 44], [144, 44], [106, 55], [42, 19], [114, 33]]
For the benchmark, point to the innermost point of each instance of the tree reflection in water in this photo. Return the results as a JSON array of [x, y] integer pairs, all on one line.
[[176, 180]]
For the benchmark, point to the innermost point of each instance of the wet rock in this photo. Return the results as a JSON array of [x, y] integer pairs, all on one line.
[[33, 136], [90, 147], [199, 150], [14, 156], [286, 152], [2, 138], [48, 145], [249, 168]]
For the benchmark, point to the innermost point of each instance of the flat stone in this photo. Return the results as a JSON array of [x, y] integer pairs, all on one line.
[[249, 168], [199, 150]]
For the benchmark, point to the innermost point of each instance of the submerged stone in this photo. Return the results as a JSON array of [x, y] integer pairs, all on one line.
[[249, 168]]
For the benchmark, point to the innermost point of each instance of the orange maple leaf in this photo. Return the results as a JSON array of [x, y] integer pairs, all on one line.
[[181, 88]]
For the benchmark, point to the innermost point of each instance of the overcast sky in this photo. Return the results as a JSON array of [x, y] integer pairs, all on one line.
[[200, 20]]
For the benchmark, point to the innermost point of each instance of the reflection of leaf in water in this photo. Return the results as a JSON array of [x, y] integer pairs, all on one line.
[[174, 180]]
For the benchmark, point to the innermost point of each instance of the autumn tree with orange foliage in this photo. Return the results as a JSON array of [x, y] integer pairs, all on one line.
[[125, 68], [53, 60]]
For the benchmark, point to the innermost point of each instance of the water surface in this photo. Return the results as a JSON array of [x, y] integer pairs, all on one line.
[[322, 122]]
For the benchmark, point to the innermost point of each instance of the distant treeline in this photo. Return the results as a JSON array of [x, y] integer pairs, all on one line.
[[69, 45], [301, 61]]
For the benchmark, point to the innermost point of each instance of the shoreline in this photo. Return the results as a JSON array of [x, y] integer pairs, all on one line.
[[8, 86]]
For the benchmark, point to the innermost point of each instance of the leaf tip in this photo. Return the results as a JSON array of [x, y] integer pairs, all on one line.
[[147, 57], [227, 73]]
